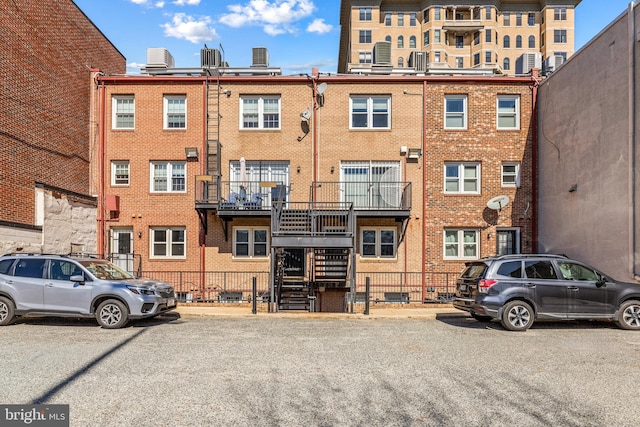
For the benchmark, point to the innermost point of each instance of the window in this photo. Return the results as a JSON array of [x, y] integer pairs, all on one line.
[[387, 39], [260, 112], [370, 112], [30, 268], [518, 42], [487, 57], [531, 19], [175, 112], [168, 177], [506, 64], [412, 19], [518, 19], [365, 36], [412, 42], [559, 13], [540, 270], [400, 62], [508, 242], [487, 36], [378, 242], [508, 109], [436, 56], [506, 42], [462, 178], [461, 244], [436, 13], [123, 112], [573, 271], [562, 54], [425, 15], [168, 242], [371, 184], [559, 36], [455, 111], [459, 42], [400, 42], [120, 172], [506, 19], [487, 11], [532, 42], [436, 36], [459, 62], [400, 19], [511, 174], [257, 172], [365, 57], [476, 59], [476, 38], [365, 14], [62, 270], [425, 38], [250, 242], [387, 19]]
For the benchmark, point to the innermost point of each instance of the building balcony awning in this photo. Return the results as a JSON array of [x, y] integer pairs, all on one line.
[[462, 26]]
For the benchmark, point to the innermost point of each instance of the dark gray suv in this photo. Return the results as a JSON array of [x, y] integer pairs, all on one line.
[[57, 285], [519, 289]]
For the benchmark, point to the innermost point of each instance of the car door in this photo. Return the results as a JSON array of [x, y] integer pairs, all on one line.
[[27, 283], [550, 294], [587, 295], [63, 295]]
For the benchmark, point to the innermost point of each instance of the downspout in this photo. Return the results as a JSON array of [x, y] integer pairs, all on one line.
[[631, 142], [103, 118], [534, 161], [205, 152], [423, 186]]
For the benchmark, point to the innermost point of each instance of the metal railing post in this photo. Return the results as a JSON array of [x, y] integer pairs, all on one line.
[[254, 308], [367, 291]]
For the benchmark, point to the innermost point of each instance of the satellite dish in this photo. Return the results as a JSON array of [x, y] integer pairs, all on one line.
[[321, 88], [498, 202], [305, 115]]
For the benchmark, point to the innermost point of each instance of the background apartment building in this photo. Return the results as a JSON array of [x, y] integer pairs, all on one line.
[[311, 184], [47, 203], [434, 37]]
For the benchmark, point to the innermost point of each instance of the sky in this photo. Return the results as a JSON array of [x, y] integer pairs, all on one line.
[[298, 34]]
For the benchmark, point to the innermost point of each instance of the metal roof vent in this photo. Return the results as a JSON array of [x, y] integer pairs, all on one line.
[[260, 57], [159, 57], [210, 58]]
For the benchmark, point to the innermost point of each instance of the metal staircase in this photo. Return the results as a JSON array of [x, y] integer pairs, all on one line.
[[213, 137]]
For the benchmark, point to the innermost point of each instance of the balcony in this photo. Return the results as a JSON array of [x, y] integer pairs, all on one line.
[[462, 25]]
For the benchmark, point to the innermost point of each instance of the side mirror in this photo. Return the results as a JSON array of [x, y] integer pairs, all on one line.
[[79, 279]]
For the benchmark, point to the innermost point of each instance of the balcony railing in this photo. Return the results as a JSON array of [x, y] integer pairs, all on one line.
[[365, 195]]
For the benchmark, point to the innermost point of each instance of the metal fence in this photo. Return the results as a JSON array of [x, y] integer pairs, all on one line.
[[237, 287]]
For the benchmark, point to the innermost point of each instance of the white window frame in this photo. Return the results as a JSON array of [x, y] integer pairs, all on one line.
[[365, 57], [560, 36], [370, 113], [460, 243], [167, 110], [456, 114], [119, 109], [365, 14], [515, 113], [260, 99], [378, 243], [559, 13], [251, 243], [170, 176], [114, 173], [513, 175], [461, 178], [169, 243]]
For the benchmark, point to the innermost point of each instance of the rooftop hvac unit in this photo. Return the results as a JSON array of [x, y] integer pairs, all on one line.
[[382, 53], [418, 60], [159, 57], [260, 57], [528, 61], [210, 58], [552, 63]]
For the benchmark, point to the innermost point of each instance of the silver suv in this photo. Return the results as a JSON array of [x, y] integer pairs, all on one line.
[[58, 285], [520, 289]]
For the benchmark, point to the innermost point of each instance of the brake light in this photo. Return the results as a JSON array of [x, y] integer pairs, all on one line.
[[485, 284]]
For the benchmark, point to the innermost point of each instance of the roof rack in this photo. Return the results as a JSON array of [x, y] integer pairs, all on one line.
[[509, 256]]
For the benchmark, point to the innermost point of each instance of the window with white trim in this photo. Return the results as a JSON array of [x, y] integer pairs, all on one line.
[[461, 244], [175, 112], [559, 36], [370, 112], [251, 242], [120, 172], [462, 178], [508, 112], [124, 109], [168, 242], [559, 13], [168, 177], [365, 36], [511, 174], [365, 14], [260, 112], [365, 57], [378, 242], [455, 111]]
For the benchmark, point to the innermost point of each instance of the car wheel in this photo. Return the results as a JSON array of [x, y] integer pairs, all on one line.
[[629, 315], [517, 316], [481, 318], [112, 314], [7, 312]]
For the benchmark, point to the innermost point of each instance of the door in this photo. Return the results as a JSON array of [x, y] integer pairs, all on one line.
[[28, 283], [585, 297], [122, 248], [63, 295], [550, 293], [294, 262]]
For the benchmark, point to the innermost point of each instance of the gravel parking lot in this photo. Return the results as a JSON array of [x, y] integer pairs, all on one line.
[[275, 371]]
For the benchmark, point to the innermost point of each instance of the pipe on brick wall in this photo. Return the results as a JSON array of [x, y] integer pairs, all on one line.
[[103, 120], [631, 20]]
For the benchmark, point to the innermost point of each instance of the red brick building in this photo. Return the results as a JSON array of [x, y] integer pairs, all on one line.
[[47, 201]]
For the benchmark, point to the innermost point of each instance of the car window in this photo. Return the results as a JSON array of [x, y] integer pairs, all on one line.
[[5, 266], [474, 271], [539, 270], [33, 267], [572, 271], [63, 270], [510, 269]]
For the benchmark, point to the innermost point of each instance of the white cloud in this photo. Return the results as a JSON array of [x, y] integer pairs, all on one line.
[[186, 2], [319, 26], [149, 3], [186, 27], [275, 17], [159, 4]]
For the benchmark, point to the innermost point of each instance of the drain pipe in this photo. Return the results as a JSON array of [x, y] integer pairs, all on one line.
[[631, 142]]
